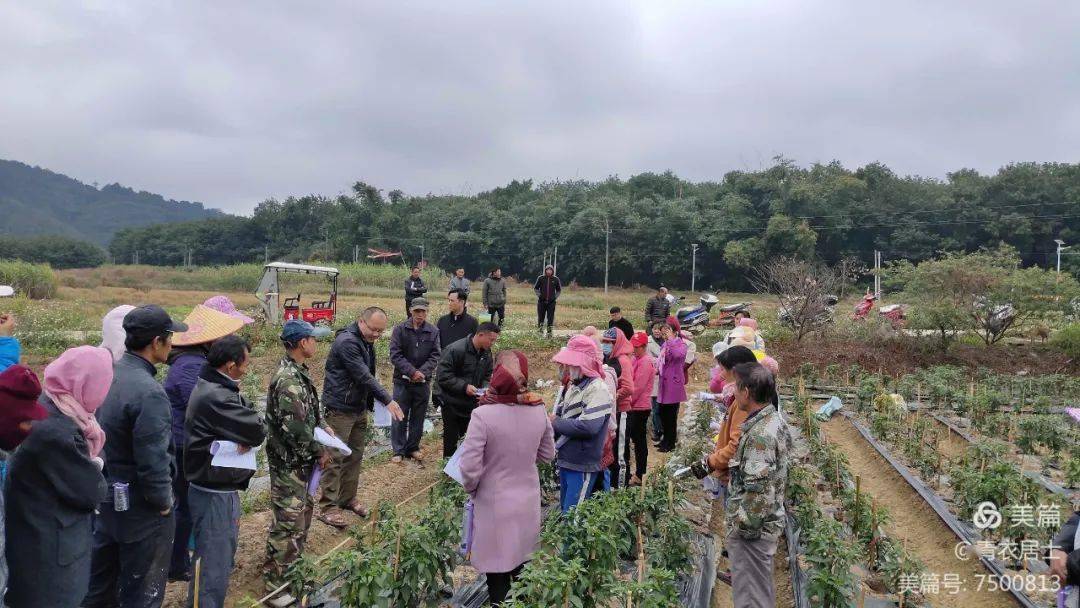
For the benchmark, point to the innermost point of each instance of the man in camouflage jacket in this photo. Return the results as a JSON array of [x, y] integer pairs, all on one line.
[[754, 513], [292, 415]]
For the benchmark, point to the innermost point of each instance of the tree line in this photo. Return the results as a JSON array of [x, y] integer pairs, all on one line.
[[823, 212]]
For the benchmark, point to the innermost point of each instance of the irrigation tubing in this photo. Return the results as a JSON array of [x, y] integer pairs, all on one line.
[[962, 531]]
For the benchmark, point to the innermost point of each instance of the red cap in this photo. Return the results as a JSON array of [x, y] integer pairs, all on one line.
[[19, 390], [674, 323], [639, 339]]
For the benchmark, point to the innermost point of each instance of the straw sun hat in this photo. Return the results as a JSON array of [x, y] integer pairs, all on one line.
[[206, 325]]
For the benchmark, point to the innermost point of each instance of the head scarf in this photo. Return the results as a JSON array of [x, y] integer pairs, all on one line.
[[77, 382], [748, 322], [112, 331], [594, 333], [510, 381], [674, 324], [19, 390]]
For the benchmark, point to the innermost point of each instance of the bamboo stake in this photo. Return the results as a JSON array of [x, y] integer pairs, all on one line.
[[397, 553], [671, 495], [858, 491], [641, 555], [198, 577]]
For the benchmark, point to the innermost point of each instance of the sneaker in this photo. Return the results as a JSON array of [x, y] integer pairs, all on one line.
[[397, 459], [418, 456]]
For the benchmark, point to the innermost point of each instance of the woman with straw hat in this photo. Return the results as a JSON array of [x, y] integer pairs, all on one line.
[[205, 326]]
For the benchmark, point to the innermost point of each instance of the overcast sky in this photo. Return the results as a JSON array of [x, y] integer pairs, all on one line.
[[233, 102]]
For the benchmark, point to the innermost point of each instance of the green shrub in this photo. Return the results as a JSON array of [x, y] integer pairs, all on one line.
[[32, 280], [1068, 341]]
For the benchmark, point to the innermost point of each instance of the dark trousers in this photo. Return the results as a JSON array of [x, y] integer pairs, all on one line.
[[454, 427], [215, 517], [545, 310], [669, 422], [405, 435], [654, 415], [497, 310], [180, 565], [636, 423], [620, 455], [498, 584], [128, 574]]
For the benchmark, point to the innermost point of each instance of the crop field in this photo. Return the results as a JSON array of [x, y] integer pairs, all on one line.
[[880, 494]]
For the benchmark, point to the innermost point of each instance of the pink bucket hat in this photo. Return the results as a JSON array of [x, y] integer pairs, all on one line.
[[225, 305], [581, 352]]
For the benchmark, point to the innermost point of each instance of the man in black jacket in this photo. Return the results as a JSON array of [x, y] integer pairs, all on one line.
[[658, 307], [218, 412], [548, 287], [455, 325], [464, 370], [622, 323], [133, 535], [414, 351], [349, 393], [414, 288]]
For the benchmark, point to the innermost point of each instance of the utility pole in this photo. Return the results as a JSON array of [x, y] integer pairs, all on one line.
[[607, 250], [1060, 246], [266, 254], [877, 274], [355, 254], [555, 261], [693, 267], [421, 253]]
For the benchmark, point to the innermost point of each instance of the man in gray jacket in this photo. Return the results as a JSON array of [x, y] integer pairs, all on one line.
[[133, 532], [495, 295], [458, 281]]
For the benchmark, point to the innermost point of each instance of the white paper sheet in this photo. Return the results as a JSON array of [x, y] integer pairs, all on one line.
[[227, 455], [382, 415], [453, 467], [330, 441]]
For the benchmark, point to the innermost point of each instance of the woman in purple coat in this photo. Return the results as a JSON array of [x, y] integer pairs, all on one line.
[[671, 391], [508, 434]]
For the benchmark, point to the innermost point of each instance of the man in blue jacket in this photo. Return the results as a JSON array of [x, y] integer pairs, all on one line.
[[133, 531]]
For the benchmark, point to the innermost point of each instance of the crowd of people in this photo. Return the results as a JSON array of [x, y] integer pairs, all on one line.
[[115, 484]]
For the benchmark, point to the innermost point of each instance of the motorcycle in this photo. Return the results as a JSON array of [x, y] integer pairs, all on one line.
[[998, 319], [696, 318], [895, 314], [822, 313], [729, 315]]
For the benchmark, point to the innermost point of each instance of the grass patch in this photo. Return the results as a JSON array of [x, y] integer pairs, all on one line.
[[36, 281]]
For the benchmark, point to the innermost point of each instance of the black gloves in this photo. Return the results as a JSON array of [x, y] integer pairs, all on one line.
[[701, 469]]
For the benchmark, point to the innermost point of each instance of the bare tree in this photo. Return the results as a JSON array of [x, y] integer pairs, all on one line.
[[849, 270], [804, 290]]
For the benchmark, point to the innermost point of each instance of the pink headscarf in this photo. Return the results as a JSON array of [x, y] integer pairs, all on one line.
[[594, 333], [771, 365], [77, 382], [224, 305], [747, 322], [581, 351]]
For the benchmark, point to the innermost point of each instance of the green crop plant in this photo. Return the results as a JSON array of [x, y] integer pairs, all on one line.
[[304, 575], [830, 556], [657, 590], [552, 580], [1072, 472], [368, 578]]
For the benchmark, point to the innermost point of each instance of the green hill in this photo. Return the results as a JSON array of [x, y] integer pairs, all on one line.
[[35, 201]]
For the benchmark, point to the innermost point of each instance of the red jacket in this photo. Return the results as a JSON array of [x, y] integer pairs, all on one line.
[[644, 373], [623, 353]]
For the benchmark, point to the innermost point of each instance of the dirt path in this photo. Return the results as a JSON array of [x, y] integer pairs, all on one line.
[[914, 522]]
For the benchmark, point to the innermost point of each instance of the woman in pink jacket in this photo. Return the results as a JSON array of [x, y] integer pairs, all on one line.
[[640, 406], [672, 389], [508, 434]]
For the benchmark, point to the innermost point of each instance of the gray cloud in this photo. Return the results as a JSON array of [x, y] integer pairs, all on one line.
[[231, 103]]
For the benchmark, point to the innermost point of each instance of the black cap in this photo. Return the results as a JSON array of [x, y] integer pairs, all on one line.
[[151, 320]]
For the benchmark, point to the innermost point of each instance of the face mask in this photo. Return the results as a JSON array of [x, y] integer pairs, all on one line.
[[607, 348], [574, 373]]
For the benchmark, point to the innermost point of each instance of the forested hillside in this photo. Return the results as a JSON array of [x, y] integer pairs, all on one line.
[[825, 211], [36, 201]]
